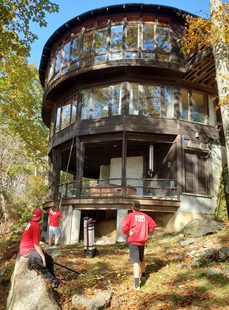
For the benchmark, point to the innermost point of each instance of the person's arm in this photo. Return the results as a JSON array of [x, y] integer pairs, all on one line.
[[39, 250], [126, 226], [152, 225]]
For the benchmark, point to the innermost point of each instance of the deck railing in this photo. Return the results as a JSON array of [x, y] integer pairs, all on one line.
[[111, 188]]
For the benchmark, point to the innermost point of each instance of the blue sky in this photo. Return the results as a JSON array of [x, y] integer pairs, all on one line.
[[71, 8]]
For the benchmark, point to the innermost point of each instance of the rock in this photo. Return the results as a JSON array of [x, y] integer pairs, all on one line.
[[199, 227], [54, 252], [217, 247], [208, 254], [195, 264], [225, 250], [213, 271], [28, 290], [99, 301], [187, 241], [222, 256]]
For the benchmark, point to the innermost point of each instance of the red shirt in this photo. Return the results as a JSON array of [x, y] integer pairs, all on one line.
[[54, 218], [30, 237], [141, 224]]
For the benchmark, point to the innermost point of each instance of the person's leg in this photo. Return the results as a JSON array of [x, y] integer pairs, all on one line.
[[134, 259], [57, 240], [142, 263], [57, 235], [50, 235], [36, 260]]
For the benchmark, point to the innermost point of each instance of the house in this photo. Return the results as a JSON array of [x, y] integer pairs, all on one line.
[[130, 118]]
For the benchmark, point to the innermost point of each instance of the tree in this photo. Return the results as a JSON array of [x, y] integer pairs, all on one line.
[[213, 32], [16, 15]]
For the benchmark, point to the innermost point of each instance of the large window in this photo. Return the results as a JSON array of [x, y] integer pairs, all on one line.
[[198, 108], [101, 102], [184, 101], [128, 37], [134, 99], [151, 101]]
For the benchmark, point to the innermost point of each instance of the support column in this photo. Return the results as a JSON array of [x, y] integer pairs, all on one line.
[[80, 149], [180, 165], [124, 152], [121, 237], [50, 177], [75, 227], [56, 161]]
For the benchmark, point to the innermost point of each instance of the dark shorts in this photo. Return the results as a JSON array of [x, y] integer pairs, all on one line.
[[136, 253]]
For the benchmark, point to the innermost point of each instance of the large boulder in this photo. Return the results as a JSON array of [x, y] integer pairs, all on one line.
[[200, 227], [29, 290]]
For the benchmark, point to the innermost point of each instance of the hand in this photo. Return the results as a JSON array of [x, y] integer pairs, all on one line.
[[131, 233]]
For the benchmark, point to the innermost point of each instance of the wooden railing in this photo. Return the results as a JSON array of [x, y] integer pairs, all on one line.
[[135, 187]]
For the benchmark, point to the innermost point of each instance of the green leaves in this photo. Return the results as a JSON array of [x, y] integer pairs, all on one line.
[[16, 15]]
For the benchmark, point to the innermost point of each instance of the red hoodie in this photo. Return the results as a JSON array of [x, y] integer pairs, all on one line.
[[141, 224]]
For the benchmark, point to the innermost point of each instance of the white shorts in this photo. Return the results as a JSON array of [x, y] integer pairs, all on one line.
[[54, 231]]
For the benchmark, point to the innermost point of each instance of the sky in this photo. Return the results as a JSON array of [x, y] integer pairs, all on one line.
[[69, 9]]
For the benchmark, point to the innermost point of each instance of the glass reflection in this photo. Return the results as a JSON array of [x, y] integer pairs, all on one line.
[[148, 37], [116, 37], [184, 99], [198, 108], [151, 101], [65, 115], [132, 37], [101, 102], [133, 102], [117, 99], [85, 104]]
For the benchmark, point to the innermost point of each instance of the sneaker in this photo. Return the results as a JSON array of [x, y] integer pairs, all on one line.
[[137, 288], [61, 285]]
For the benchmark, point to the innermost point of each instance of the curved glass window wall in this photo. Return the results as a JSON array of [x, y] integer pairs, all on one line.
[[130, 37], [132, 99]]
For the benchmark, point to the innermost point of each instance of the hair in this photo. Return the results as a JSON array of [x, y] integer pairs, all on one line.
[[136, 205], [55, 208]]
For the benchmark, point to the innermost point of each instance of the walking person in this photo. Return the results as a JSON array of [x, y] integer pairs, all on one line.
[[137, 225], [54, 224], [30, 248]]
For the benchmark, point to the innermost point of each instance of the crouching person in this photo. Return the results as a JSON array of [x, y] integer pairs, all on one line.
[[30, 248]]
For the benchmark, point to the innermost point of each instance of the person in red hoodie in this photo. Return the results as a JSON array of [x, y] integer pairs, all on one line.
[[54, 224], [137, 225]]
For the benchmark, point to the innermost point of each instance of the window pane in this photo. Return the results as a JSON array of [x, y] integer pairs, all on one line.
[[101, 58], [151, 101], [117, 100], [88, 44], [66, 53], [132, 37], [198, 107], [65, 117], [132, 55], [212, 112], [74, 108], [58, 61], [169, 108], [75, 48], [148, 37], [148, 55], [101, 40], [85, 104], [51, 69], [163, 40], [133, 106], [184, 99], [101, 102], [58, 119], [115, 56], [116, 37]]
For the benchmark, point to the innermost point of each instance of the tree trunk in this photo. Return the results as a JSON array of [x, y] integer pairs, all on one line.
[[4, 207], [220, 52]]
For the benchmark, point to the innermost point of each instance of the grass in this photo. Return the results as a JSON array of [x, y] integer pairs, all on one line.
[[167, 285]]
